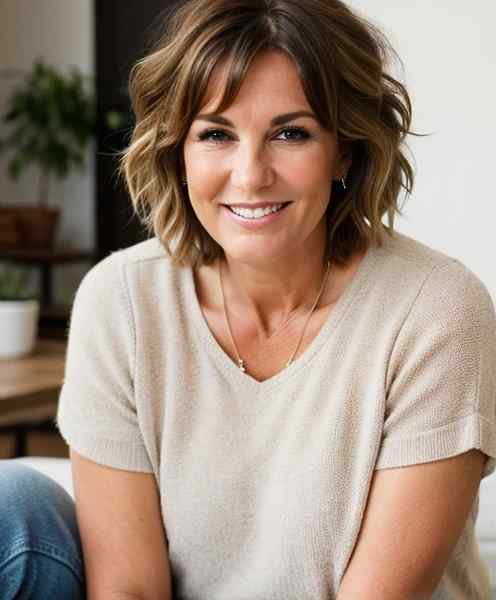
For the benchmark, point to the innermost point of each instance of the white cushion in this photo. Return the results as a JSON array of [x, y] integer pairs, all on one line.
[[485, 526], [59, 469], [486, 520]]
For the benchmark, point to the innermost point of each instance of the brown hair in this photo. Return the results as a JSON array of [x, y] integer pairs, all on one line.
[[341, 59]]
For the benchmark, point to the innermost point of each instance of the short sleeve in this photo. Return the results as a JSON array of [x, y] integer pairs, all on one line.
[[441, 381], [96, 412]]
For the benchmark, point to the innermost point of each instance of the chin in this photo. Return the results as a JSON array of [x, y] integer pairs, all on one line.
[[258, 257]]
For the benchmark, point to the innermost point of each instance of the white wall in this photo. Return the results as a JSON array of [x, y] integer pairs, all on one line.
[[62, 33], [448, 48]]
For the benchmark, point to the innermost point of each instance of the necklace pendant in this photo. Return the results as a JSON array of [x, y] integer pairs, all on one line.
[[241, 365]]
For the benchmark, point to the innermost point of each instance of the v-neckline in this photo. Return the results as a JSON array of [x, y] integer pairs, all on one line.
[[243, 380]]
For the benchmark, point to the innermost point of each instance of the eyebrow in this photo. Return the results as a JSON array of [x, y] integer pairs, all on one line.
[[279, 120]]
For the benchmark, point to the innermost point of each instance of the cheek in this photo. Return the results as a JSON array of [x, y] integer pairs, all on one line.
[[204, 179], [312, 172], [205, 202]]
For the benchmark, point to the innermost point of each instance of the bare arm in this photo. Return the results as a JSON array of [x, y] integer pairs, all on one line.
[[413, 519], [122, 534]]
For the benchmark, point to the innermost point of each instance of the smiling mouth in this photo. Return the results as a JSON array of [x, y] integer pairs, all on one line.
[[258, 214], [281, 204]]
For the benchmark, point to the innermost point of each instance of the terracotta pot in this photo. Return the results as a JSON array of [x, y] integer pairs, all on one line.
[[35, 225]]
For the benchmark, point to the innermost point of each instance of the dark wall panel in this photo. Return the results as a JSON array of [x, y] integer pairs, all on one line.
[[123, 32]]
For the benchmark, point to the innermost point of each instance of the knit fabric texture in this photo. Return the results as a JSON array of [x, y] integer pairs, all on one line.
[[263, 485]]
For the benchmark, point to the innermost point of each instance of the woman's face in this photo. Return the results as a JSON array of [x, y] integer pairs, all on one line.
[[252, 160]]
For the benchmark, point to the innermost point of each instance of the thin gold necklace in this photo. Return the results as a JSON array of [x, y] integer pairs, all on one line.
[[288, 320], [240, 360]]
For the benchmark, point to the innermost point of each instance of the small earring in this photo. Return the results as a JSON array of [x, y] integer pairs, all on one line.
[[184, 181], [343, 183]]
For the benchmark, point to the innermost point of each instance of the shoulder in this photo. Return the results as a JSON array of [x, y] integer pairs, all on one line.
[[441, 310], [109, 296], [127, 281], [112, 272], [147, 250], [404, 253], [430, 279]]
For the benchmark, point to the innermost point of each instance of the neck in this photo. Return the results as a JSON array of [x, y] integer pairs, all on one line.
[[266, 297]]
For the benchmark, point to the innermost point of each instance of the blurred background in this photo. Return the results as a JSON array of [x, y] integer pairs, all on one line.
[[64, 68]]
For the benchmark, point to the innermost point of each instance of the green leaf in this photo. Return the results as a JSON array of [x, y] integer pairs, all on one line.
[[13, 284], [15, 167], [51, 117]]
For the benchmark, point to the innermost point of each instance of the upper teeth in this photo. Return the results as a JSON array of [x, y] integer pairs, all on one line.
[[258, 212]]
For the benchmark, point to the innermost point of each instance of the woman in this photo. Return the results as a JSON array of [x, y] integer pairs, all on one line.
[[275, 396]]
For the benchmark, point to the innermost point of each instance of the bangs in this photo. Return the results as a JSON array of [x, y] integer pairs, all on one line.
[[237, 47]]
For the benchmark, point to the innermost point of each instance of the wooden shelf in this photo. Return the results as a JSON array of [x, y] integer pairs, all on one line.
[[25, 377], [29, 390]]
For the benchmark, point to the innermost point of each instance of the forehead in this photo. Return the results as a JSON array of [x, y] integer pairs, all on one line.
[[272, 80]]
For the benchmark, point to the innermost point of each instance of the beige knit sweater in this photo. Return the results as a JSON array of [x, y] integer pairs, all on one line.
[[263, 484]]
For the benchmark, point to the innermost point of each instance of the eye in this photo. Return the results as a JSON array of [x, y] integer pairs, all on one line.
[[208, 135], [302, 134]]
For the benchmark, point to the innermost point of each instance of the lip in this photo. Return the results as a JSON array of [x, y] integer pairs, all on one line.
[[253, 224], [254, 205]]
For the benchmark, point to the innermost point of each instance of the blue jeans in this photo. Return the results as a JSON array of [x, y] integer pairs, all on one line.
[[40, 548]]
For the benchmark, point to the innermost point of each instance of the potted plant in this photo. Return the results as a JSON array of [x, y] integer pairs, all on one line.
[[19, 311], [51, 118]]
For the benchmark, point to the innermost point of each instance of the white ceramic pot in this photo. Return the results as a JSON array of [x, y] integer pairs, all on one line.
[[18, 327]]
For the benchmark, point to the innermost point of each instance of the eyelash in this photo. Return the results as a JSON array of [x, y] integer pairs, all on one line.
[[205, 135]]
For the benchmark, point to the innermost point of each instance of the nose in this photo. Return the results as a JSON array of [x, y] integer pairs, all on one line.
[[251, 170]]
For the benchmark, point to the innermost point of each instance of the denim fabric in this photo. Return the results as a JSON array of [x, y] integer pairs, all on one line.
[[40, 548]]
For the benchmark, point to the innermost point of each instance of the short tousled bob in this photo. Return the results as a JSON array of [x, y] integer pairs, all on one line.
[[341, 59]]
